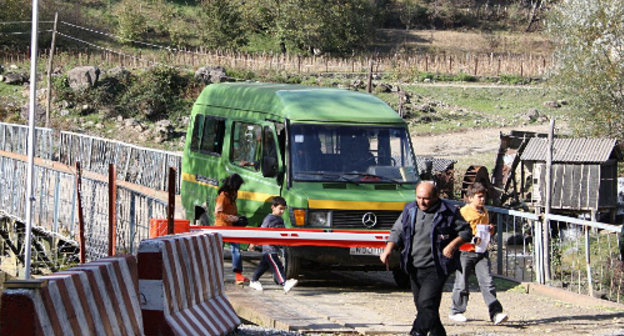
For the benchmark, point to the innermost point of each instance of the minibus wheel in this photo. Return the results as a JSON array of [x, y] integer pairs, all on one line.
[[292, 264]]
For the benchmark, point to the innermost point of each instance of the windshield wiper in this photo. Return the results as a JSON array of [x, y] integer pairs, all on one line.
[[321, 173]]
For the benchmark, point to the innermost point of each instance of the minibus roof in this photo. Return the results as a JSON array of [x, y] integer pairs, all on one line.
[[299, 103]]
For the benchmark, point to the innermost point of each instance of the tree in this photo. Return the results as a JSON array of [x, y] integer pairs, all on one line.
[[590, 63], [336, 26], [131, 21], [221, 25]]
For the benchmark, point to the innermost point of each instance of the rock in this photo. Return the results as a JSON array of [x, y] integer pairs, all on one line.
[[39, 112], [562, 102], [164, 123], [83, 77], [552, 104], [358, 84], [383, 88], [89, 123], [210, 74], [119, 118], [531, 116], [107, 112], [86, 109], [64, 112], [13, 78], [13, 67], [130, 122], [99, 126], [1, 78], [119, 72], [427, 80]]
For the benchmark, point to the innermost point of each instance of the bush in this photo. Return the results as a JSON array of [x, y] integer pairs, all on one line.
[[155, 93]]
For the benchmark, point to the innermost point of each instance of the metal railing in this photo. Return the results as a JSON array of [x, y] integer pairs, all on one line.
[[583, 256], [139, 165], [55, 192]]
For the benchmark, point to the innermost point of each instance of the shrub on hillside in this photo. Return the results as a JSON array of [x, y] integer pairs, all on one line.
[[155, 93]]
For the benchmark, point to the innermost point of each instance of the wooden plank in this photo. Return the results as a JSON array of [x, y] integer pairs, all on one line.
[[576, 185], [555, 200], [593, 186]]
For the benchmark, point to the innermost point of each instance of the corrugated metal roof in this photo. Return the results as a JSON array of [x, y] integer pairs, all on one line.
[[570, 150], [437, 165]]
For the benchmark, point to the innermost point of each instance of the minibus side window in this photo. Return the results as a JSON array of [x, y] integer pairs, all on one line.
[[197, 127], [246, 143], [212, 139]]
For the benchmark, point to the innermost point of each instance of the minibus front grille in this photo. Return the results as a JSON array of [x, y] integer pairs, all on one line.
[[352, 219]]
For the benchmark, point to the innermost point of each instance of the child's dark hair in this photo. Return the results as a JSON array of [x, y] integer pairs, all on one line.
[[278, 200], [476, 188]]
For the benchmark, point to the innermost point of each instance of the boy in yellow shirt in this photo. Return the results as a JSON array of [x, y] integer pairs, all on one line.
[[474, 257]]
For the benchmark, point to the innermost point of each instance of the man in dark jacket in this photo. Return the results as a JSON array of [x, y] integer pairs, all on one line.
[[428, 233]]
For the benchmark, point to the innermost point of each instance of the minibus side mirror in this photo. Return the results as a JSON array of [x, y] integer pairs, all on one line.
[[269, 166]]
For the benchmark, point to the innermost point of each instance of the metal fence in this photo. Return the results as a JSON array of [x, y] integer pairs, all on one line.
[[140, 165], [583, 256], [56, 210], [14, 138]]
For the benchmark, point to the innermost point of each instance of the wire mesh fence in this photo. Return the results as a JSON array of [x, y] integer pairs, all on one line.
[[135, 164], [56, 210]]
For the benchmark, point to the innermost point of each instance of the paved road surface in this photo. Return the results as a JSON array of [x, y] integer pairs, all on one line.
[[369, 303]]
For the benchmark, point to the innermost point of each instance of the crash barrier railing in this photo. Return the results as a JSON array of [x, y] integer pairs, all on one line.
[[56, 209], [182, 288], [135, 164], [97, 298]]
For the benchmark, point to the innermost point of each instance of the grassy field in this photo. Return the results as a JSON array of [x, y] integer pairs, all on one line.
[[454, 108]]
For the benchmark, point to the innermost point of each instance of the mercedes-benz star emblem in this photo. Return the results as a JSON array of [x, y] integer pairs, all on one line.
[[369, 220]]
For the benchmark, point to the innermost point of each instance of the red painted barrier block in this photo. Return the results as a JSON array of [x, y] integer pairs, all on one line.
[[97, 298], [181, 283]]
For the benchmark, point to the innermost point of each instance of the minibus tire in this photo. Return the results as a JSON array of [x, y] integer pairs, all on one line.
[[401, 278], [292, 264]]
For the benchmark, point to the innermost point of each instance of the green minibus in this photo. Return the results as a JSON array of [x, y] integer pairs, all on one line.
[[342, 160]]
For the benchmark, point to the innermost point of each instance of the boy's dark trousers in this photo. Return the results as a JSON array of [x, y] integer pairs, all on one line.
[[270, 261], [427, 285], [478, 263]]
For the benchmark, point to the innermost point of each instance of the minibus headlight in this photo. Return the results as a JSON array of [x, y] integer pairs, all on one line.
[[319, 218]]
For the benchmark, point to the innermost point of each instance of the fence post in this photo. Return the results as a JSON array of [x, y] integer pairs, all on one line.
[[81, 235], [588, 263], [499, 243], [112, 209], [171, 201]]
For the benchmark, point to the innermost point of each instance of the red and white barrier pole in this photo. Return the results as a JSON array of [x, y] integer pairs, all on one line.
[[298, 237]]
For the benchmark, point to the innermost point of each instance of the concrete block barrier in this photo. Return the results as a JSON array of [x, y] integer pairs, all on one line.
[[97, 298], [181, 286]]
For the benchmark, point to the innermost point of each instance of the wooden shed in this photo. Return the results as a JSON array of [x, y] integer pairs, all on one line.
[[584, 173]]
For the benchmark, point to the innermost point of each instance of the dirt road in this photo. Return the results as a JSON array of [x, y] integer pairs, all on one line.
[[467, 143], [369, 303]]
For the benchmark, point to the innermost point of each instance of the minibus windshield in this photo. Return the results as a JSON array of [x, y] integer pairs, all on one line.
[[358, 154]]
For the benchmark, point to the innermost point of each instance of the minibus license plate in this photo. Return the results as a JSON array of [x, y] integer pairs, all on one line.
[[373, 251]]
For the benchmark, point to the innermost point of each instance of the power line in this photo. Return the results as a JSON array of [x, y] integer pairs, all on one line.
[[24, 33], [22, 22], [115, 51], [128, 40]]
